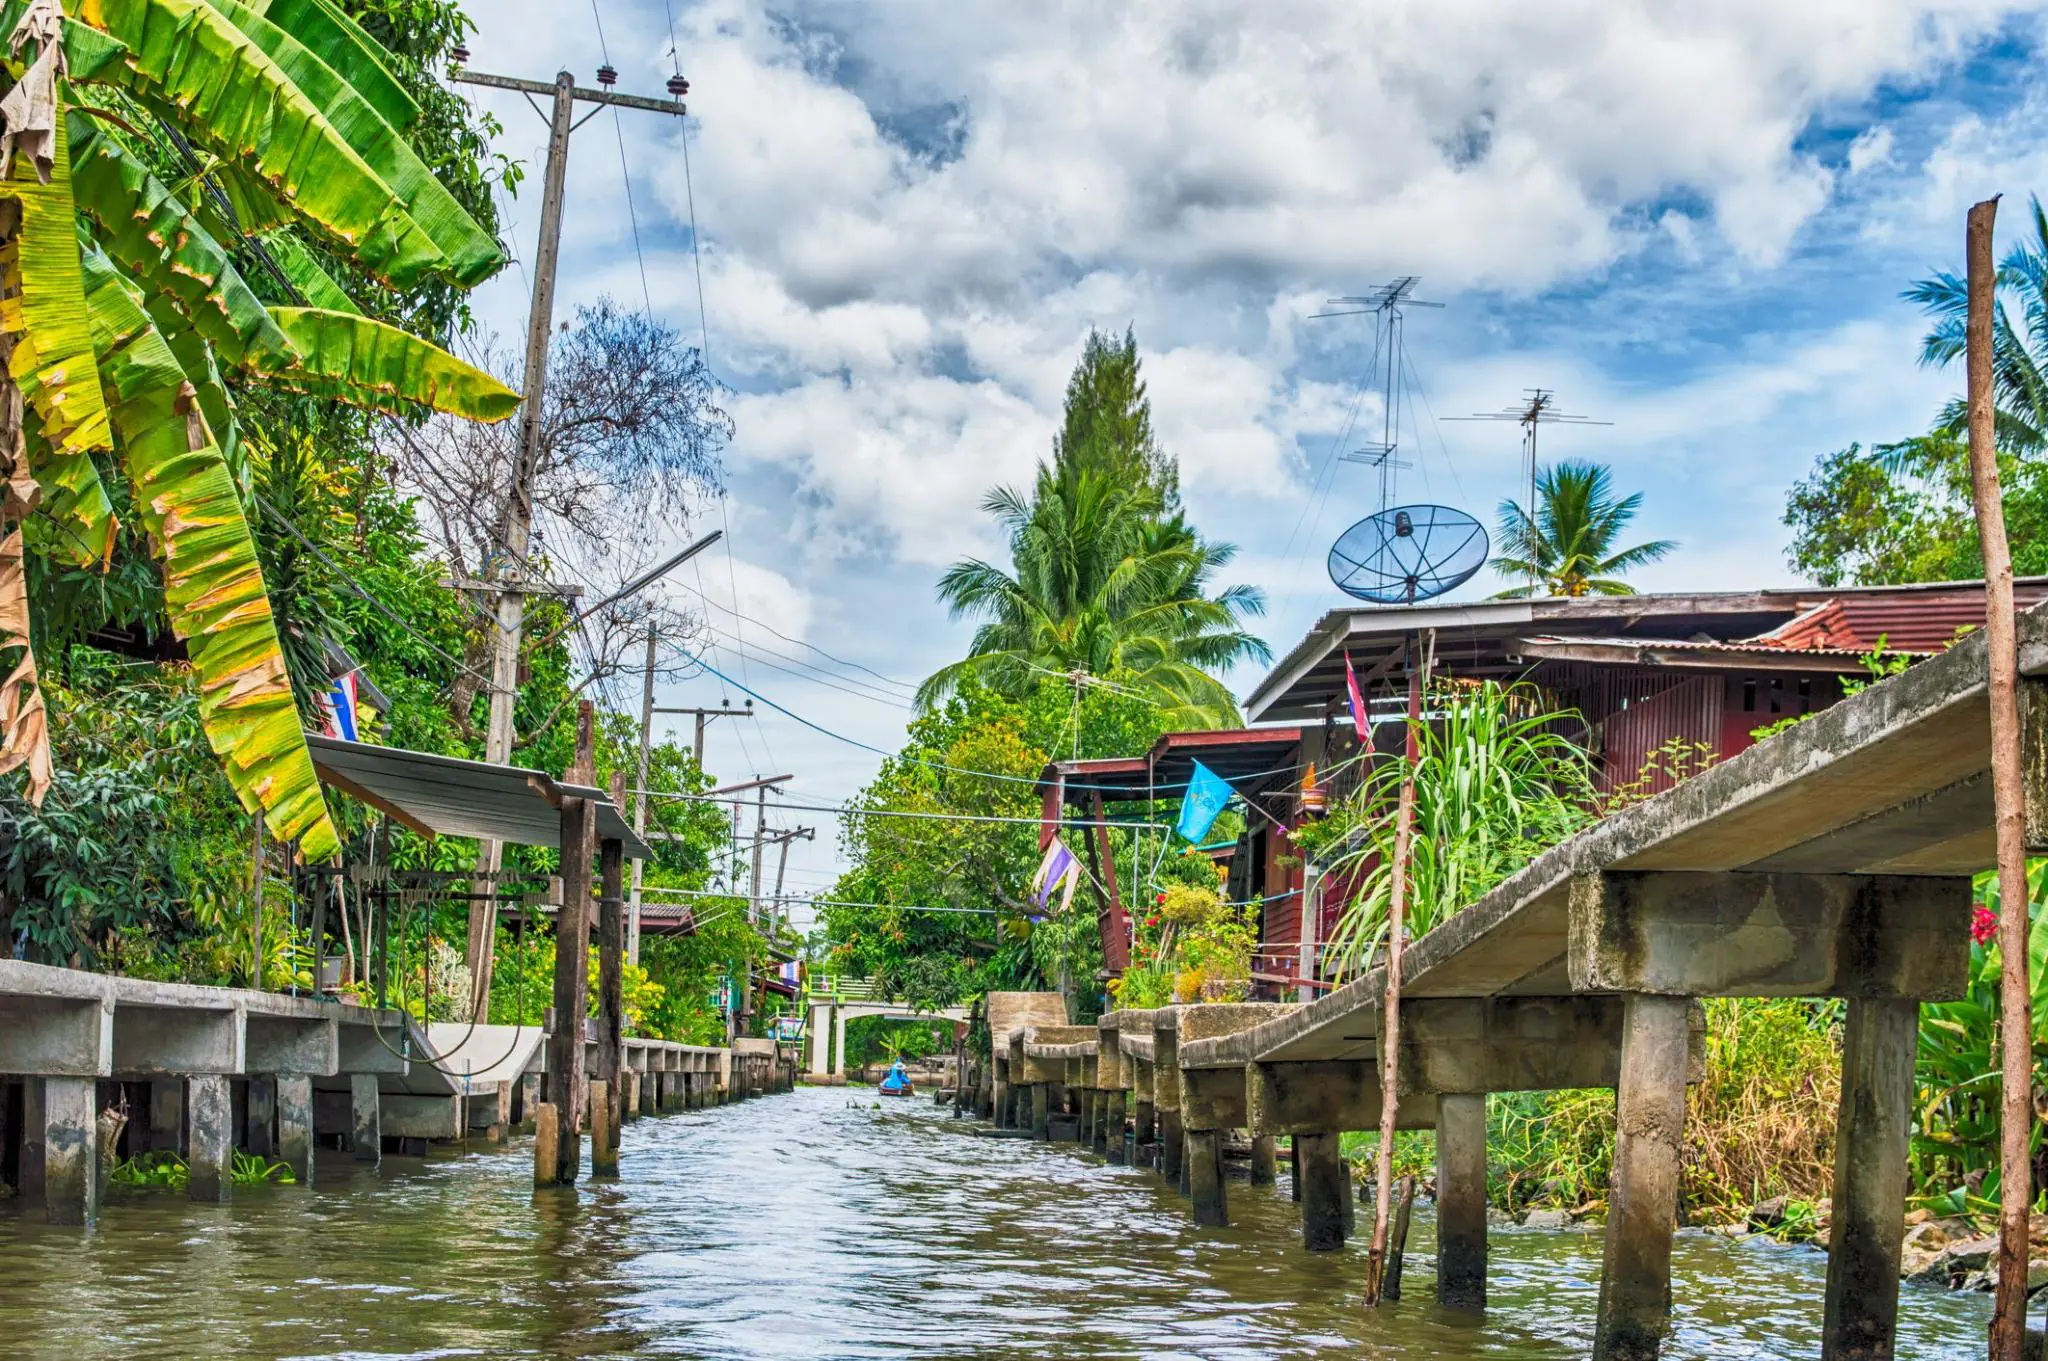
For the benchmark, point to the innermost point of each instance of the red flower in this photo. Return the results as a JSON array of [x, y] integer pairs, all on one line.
[[1983, 925]]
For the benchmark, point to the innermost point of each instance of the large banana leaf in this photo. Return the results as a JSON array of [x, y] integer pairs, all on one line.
[[340, 42], [157, 240], [313, 283], [88, 53], [44, 309], [227, 95], [75, 520], [473, 254], [213, 583], [195, 357], [367, 363]]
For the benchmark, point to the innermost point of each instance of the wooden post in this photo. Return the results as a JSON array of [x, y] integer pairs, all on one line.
[[604, 1152], [1635, 1278], [565, 1076], [547, 1152], [1397, 1244], [1390, 1059], [611, 986], [1116, 931], [1880, 1039], [2008, 796]]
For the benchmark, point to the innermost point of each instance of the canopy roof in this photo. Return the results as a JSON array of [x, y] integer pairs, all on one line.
[[1248, 758], [448, 796]]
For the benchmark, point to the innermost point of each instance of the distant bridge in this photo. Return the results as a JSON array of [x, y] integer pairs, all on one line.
[[831, 1000]]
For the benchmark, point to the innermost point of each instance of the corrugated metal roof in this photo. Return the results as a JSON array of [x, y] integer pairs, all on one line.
[[448, 796]]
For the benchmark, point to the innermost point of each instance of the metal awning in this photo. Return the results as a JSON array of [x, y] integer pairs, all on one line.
[[448, 796]]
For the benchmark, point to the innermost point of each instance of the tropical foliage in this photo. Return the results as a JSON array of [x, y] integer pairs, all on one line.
[[1568, 545], [1497, 781], [1192, 946], [153, 142], [1106, 577]]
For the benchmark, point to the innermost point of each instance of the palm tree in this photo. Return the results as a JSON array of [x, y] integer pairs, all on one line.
[[155, 143], [2019, 355], [1568, 548], [1103, 586]]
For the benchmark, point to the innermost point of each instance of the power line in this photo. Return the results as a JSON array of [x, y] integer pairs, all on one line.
[[833, 902], [898, 813], [799, 642]]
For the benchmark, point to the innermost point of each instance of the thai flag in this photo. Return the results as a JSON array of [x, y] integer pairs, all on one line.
[[1358, 718], [341, 708]]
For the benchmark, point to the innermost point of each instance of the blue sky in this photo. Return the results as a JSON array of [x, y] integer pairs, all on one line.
[[1693, 222]]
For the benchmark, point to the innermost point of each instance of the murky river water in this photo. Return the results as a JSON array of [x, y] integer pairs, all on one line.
[[819, 1225]]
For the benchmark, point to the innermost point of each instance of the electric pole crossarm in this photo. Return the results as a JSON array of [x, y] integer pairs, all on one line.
[[583, 93]]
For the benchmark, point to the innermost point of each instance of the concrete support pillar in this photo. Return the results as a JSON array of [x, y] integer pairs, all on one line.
[[1205, 1178], [166, 1115], [209, 1138], [1084, 1113], [1319, 1172], [1145, 1116], [1099, 1131], [1113, 1118], [629, 1099], [33, 1136], [839, 1041], [1041, 1109], [1879, 1040], [1461, 1201], [604, 1129], [366, 1127], [1265, 1160], [70, 1154], [258, 1136], [644, 1093], [1294, 1179], [529, 1096], [1172, 1146], [1635, 1280], [1003, 1102], [295, 1126]]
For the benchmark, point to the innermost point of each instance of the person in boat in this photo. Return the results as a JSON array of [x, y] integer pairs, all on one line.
[[897, 1082]]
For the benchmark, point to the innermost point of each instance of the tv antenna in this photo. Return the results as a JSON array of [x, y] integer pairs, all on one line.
[[1384, 304], [1535, 411]]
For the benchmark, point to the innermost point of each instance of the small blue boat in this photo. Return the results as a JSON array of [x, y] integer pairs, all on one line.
[[897, 1083]]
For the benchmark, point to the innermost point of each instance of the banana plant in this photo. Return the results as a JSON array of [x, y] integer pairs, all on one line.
[[124, 320]]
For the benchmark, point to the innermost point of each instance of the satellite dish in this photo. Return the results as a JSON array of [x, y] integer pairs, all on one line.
[[1409, 553]]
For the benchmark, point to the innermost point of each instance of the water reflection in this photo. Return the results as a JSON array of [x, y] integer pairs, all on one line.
[[825, 1225]]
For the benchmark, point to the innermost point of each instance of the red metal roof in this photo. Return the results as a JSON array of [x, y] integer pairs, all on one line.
[[1923, 623], [1247, 754]]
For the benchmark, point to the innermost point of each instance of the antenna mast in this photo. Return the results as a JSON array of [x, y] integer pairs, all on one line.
[[1531, 413], [1385, 304]]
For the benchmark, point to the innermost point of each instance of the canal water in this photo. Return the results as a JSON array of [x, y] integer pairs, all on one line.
[[825, 1224]]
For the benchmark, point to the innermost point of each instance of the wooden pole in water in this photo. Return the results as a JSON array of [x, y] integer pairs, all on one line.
[[2016, 1026], [1390, 1026]]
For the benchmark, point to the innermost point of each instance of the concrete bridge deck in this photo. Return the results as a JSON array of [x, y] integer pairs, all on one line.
[[1833, 860], [206, 1072]]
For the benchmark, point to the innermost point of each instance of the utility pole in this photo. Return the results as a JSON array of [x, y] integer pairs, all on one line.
[[640, 797], [704, 716], [516, 524]]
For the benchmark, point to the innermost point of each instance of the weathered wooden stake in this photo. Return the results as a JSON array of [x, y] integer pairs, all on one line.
[[2008, 796], [1390, 1053], [1397, 1242], [611, 987], [565, 1072], [604, 1152], [547, 1141]]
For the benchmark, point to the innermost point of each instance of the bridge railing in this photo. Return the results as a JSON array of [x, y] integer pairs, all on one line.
[[842, 988]]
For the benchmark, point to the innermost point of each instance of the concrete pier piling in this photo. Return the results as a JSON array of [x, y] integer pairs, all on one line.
[[1461, 1201], [69, 1169], [604, 1148], [1635, 1282], [295, 1126], [1205, 1179], [547, 1145], [1867, 1227], [259, 1135], [164, 1120], [1319, 1173], [1113, 1124], [209, 1138], [1265, 1161], [1041, 1109], [366, 1131]]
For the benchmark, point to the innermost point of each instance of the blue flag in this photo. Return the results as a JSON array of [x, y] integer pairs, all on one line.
[[1207, 793]]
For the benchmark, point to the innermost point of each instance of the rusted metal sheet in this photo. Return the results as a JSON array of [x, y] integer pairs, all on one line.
[[1688, 712]]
